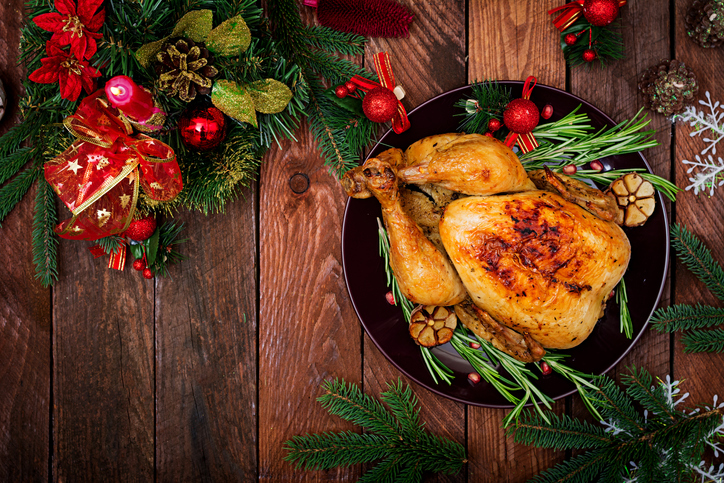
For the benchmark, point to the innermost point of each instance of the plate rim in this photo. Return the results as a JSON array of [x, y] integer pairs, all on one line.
[[634, 341]]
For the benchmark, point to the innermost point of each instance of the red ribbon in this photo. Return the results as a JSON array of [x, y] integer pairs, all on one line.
[[117, 259], [526, 141], [571, 12], [400, 122]]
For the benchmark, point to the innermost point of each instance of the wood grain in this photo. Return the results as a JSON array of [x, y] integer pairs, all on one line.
[[701, 214], [206, 333], [103, 370], [25, 317], [510, 40]]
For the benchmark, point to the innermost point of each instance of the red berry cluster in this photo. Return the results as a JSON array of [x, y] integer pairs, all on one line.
[[140, 264]]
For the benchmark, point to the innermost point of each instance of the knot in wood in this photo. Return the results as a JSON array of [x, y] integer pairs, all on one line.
[[299, 183]]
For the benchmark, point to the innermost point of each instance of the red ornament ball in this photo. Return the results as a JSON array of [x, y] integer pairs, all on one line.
[[147, 273], [521, 115], [379, 104], [589, 55], [350, 86], [494, 125], [341, 91], [600, 12], [138, 264], [202, 128], [142, 229], [570, 39]]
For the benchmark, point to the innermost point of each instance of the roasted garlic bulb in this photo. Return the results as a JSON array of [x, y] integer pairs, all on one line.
[[431, 326], [635, 198]]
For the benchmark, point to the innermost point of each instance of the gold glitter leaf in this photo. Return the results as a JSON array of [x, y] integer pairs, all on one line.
[[195, 25], [270, 96], [230, 38], [234, 101]]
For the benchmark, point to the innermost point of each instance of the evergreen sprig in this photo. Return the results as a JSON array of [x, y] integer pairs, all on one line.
[[399, 439], [45, 243], [606, 41], [665, 444], [487, 101], [695, 319]]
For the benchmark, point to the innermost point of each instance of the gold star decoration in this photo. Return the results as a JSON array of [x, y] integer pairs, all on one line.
[[124, 200], [73, 166]]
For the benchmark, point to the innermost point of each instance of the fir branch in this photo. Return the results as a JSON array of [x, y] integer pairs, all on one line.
[[111, 244], [698, 259], [684, 317], [12, 163], [13, 192], [487, 101], [606, 41], [639, 386], [559, 432], [167, 253], [704, 341], [325, 38], [401, 442], [45, 242]]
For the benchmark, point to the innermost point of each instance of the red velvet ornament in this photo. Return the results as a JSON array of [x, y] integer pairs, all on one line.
[[202, 128], [570, 39], [369, 18], [521, 115], [589, 55], [379, 104], [600, 12], [139, 264], [350, 86], [142, 229], [341, 91], [494, 125], [147, 273]]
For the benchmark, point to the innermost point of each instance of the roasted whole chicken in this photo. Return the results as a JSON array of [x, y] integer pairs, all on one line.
[[528, 262]]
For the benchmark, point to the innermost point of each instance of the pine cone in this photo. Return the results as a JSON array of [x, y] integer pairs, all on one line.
[[705, 22], [184, 69], [668, 87]]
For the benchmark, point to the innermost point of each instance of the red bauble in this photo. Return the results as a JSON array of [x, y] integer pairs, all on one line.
[[350, 86], [589, 55], [600, 12], [521, 115], [570, 39], [379, 104], [138, 264], [147, 273], [494, 125], [202, 128], [142, 229], [341, 91]]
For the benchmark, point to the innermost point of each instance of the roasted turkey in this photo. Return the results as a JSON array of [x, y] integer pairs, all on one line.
[[526, 267]]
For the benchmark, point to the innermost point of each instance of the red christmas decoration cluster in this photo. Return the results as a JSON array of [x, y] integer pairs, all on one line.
[[369, 18], [76, 27]]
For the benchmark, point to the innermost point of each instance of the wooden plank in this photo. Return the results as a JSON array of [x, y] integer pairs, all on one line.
[[510, 41], [206, 350], [25, 318], [103, 353], [429, 62], [701, 214], [614, 90], [308, 331]]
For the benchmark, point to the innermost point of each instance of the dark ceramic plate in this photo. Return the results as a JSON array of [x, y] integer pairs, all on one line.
[[365, 273]]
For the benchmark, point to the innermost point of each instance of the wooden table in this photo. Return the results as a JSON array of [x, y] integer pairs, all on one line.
[[202, 376]]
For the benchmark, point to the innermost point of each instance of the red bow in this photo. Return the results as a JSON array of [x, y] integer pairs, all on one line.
[[400, 123], [570, 12]]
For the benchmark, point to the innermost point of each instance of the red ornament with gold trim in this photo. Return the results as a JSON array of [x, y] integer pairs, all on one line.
[[521, 116], [202, 128]]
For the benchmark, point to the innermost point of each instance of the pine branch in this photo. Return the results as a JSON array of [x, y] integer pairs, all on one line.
[[698, 259], [639, 386], [684, 317], [559, 433], [487, 101], [325, 38], [10, 166], [45, 242], [704, 341], [401, 442], [13, 192]]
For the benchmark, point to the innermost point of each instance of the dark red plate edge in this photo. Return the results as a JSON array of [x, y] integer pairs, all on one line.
[[574, 390]]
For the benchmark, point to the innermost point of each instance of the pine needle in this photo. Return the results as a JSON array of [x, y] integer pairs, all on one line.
[[45, 242]]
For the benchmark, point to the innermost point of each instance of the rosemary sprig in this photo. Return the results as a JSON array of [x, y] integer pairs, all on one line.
[[436, 367], [605, 178], [581, 381], [578, 149], [624, 314]]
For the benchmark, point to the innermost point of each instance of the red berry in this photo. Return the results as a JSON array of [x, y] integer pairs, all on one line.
[[147, 273], [142, 229], [474, 345], [474, 377], [390, 298], [489, 134], [589, 55], [350, 86], [570, 39], [341, 91], [521, 115], [545, 368], [570, 169], [494, 125], [597, 165], [139, 264], [547, 111]]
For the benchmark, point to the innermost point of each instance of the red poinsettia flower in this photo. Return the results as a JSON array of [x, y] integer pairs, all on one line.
[[73, 26], [63, 67]]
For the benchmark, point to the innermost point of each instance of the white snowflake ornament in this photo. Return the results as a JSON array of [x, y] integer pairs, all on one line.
[[710, 174]]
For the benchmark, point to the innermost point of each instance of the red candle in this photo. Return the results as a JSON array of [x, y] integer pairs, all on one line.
[[130, 98]]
